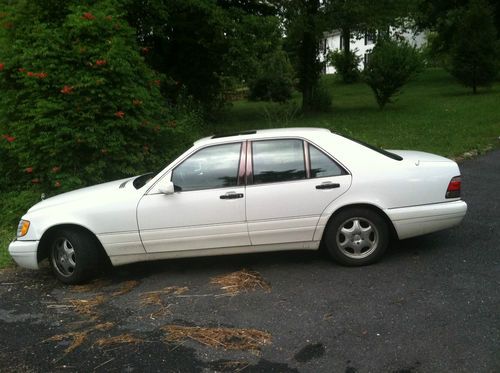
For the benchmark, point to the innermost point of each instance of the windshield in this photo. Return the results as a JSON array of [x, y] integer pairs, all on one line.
[[140, 181], [374, 148]]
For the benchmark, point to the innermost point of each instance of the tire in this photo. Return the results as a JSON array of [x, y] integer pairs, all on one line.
[[356, 236], [74, 256]]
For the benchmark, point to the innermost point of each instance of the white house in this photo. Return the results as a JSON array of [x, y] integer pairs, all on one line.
[[362, 45]]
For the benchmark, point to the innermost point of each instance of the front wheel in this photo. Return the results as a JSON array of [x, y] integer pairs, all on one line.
[[357, 236], [74, 256]]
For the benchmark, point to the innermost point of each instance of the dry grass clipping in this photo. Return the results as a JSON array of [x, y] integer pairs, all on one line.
[[153, 298], [125, 288], [87, 307], [77, 339], [241, 281], [226, 338], [118, 339]]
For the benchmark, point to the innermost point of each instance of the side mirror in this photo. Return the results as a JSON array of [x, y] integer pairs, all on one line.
[[166, 187]]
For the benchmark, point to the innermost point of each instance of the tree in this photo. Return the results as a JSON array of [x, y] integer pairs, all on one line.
[[304, 20], [391, 65], [473, 53], [442, 17], [202, 43], [354, 18], [79, 104]]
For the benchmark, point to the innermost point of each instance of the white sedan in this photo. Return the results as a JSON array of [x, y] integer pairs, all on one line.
[[257, 191]]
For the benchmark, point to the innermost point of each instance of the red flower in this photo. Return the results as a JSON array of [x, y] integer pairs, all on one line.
[[28, 170], [8, 25], [9, 138], [137, 102], [145, 50], [35, 181], [157, 82], [67, 89], [101, 62], [2, 66], [21, 70], [37, 75], [57, 184], [119, 114], [88, 16], [56, 169]]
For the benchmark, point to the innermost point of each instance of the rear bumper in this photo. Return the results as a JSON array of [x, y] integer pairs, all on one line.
[[24, 253], [417, 220]]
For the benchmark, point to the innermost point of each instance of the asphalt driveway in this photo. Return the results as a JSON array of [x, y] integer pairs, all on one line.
[[431, 305]]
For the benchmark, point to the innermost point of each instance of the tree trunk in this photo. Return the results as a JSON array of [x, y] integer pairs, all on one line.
[[474, 80], [346, 39], [308, 53]]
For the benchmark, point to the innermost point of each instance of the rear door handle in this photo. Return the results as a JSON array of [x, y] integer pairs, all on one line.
[[231, 195], [327, 186]]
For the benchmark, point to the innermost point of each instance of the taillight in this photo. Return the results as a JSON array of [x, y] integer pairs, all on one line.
[[453, 190]]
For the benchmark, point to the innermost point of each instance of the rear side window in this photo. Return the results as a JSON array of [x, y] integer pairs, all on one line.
[[209, 168], [322, 165], [278, 160]]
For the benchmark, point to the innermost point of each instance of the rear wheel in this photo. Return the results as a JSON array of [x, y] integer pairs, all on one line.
[[74, 256], [357, 236]]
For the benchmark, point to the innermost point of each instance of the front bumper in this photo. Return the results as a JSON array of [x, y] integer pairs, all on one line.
[[24, 253], [417, 220]]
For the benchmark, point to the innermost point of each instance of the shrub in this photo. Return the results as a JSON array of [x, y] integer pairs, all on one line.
[[80, 105], [474, 54], [390, 66], [274, 82], [346, 65]]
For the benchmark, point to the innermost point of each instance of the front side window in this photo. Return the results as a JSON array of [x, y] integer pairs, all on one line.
[[278, 160], [322, 165], [209, 168]]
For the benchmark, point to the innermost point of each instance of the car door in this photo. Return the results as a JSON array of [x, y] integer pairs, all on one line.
[[290, 183], [206, 211]]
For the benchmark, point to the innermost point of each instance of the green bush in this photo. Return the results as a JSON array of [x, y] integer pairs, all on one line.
[[79, 104], [390, 66], [346, 65], [274, 82]]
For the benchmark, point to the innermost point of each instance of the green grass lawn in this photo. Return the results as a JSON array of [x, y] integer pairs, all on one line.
[[433, 113]]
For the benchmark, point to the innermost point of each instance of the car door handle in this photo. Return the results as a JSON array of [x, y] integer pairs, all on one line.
[[231, 195], [327, 186]]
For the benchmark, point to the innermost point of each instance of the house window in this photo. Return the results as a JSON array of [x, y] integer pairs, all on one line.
[[369, 37], [366, 59], [341, 42]]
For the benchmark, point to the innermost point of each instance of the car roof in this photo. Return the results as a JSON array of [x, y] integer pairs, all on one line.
[[305, 132]]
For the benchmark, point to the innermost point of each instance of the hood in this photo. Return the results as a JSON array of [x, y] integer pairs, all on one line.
[[96, 191], [415, 156]]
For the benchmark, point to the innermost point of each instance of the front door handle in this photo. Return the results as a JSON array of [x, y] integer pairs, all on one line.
[[327, 186], [231, 195]]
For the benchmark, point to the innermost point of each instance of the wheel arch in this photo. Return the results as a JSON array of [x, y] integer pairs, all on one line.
[[378, 210], [44, 245]]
